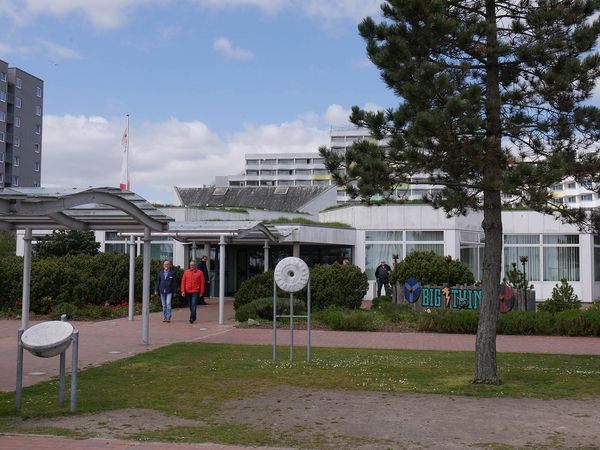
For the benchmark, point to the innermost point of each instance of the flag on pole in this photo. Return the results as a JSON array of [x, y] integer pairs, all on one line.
[[124, 182]]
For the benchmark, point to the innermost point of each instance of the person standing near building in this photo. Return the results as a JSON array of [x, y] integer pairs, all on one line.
[[382, 274], [202, 266], [166, 286], [192, 287]]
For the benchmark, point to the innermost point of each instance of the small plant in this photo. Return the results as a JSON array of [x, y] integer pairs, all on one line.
[[379, 302], [563, 299], [515, 278]]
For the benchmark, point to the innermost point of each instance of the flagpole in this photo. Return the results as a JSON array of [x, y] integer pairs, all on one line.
[[128, 137]]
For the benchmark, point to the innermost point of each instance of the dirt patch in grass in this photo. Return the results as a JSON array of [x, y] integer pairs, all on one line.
[[388, 420], [119, 423]]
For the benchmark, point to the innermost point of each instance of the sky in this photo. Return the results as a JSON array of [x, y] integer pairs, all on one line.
[[204, 82]]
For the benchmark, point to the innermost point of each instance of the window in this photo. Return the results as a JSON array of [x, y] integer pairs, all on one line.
[[2, 136], [557, 187], [252, 172], [38, 110], [302, 171], [38, 91], [321, 171], [16, 161], [1, 178], [394, 236], [561, 257], [17, 142], [1, 157], [2, 96], [2, 116], [36, 166], [586, 197], [572, 199], [252, 162], [36, 148], [268, 172], [17, 121], [15, 180], [517, 245], [286, 161], [38, 129], [269, 162], [2, 76], [424, 235], [375, 252], [18, 102], [18, 83], [572, 186]]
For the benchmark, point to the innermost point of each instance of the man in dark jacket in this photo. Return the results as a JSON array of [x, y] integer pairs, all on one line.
[[166, 286], [202, 266], [382, 276]]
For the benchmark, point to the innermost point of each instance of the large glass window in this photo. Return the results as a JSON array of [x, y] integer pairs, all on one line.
[[561, 257], [421, 237], [375, 253], [512, 255], [383, 236]]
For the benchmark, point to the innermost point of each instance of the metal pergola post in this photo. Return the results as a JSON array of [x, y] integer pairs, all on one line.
[[146, 288], [266, 257], [221, 280], [26, 279], [132, 252]]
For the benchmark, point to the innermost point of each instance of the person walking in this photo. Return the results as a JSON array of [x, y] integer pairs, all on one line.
[[166, 286], [192, 287], [203, 267], [382, 274]]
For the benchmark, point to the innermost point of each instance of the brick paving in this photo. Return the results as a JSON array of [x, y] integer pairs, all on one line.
[[111, 340]]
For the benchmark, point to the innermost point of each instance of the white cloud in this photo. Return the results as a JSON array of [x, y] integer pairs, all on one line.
[[337, 115], [9, 49], [364, 63], [109, 14], [56, 51], [86, 151], [101, 13], [224, 46]]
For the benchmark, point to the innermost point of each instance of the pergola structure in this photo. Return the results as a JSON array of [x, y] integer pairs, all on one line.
[[220, 233], [82, 209]]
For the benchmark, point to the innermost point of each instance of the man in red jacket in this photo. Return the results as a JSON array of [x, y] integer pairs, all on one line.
[[192, 286]]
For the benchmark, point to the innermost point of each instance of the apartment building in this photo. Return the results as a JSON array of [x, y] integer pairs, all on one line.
[[21, 112]]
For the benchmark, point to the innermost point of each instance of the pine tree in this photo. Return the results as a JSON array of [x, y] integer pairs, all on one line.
[[492, 101]]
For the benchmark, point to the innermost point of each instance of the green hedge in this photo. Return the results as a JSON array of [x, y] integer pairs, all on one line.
[[429, 268], [566, 323], [79, 280], [262, 308], [341, 319], [338, 285]]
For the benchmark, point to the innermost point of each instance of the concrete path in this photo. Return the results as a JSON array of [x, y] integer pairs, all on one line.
[[111, 340]]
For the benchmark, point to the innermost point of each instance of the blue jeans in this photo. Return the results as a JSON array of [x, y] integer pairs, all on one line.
[[192, 299], [166, 304]]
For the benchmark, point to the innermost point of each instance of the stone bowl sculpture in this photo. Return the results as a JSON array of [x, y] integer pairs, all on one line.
[[48, 339]]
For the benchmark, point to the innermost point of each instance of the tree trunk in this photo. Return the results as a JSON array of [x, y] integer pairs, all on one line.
[[485, 347]]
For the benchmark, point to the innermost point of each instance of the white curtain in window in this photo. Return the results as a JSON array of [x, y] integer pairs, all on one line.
[[377, 252], [532, 266], [561, 262], [438, 249]]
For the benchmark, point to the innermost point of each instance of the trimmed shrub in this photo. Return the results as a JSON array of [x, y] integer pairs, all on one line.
[[69, 309], [262, 308], [379, 302], [429, 268], [449, 321], [526, 323], [397, 313], [337, 285], [563, 299], [257, 287], [578, 323], [347, 319], [76, 279]]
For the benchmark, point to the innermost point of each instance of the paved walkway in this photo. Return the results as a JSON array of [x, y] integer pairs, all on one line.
[[110, 340]]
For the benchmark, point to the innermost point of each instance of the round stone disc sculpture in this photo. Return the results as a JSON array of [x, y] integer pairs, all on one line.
[[291, 274], [48, 339]]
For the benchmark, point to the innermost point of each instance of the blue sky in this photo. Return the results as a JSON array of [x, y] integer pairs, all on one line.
[[204, 81]]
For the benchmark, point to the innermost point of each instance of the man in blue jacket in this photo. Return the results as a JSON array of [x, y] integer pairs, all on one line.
[[166, 286]]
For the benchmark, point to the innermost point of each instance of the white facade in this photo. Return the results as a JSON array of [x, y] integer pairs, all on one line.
[[555, 250]]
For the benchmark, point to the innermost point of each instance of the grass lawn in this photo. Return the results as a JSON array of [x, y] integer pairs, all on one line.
[[193, 380]]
